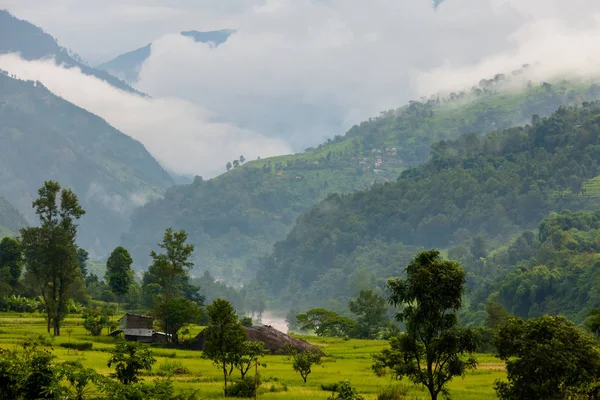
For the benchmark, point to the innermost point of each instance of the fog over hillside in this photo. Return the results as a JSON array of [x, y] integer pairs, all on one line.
[[297, 72]]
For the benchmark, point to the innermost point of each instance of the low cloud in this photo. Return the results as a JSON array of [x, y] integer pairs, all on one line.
[[183, 136]]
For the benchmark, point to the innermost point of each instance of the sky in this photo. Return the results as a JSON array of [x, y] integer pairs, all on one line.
[[297, 71]]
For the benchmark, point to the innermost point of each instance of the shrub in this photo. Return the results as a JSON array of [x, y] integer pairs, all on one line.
[[345, 391], [392, 393], [242, 388], [169, 368], [330, 387], [81, 346]]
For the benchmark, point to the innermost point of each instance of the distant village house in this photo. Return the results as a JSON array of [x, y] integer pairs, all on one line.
[[139, 328]]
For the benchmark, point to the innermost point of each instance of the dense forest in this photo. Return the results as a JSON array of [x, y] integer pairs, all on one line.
[[236, 218], [45, 137], [476, 191]]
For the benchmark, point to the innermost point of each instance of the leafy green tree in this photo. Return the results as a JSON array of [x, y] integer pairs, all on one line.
[[180, 313], [170, 269], [50, 251], [242, 159], [249, 355], [228, 166], [303, 361], [10, 256], [94, 321], [431, 351], [224, 337], [119, 274], [371, 311], [496, 315], [133, 296], [236, 163], [79, 378], [246, 321], [326, 323], [129, 359], [546, 358]]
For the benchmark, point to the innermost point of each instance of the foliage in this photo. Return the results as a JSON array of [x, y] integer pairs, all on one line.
[[129, 358], [326, 323], [496, 185], [546, 358], [345, 391], [119, 274], [22, 304], [392, 393], [81, 346], [180, 313], [371, 311], [224, 338], [430, 352], [94, 321], [243, 388], [77, 148], [28, 374], [246, 321], [10, 256], [50, 251], [80, 379], [249, 354], [303, 361], [239, 215]]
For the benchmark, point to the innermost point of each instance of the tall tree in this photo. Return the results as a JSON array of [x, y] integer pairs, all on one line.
[[50, 251], [10, 256], [170, 269], [224, 338], [432, 350], [119, 274], [371, 311]]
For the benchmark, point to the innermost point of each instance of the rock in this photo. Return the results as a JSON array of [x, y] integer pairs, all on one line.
[[274, 340]]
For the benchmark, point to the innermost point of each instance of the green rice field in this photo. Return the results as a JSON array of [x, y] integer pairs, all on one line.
[[345, 359]]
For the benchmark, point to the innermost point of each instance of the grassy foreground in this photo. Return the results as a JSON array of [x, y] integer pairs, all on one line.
[[350, 359]]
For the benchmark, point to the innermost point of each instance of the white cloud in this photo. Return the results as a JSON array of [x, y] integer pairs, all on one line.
[[180, 134], [305, 70]]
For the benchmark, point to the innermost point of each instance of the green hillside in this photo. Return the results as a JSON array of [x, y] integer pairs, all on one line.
[[475, 189], [235, 218], [10, 219], [45, 137]]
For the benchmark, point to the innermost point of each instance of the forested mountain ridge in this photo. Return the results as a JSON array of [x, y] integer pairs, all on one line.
[[494, 185], [235, 218], [11, 219], [45, 137], [32, 43]]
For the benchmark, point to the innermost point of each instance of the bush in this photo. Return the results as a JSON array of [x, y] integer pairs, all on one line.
[[169, 368], [22, 304], [243, 388], [345, 391], [330, 387], [81, 346], [393, 393]]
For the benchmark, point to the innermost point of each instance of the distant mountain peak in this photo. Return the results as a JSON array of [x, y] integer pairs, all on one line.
[[127, 66], [33, 43]]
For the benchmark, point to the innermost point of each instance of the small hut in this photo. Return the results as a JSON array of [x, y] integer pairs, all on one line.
[[139, 328]]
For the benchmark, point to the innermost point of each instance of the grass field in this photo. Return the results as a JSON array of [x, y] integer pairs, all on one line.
[[349, 359]]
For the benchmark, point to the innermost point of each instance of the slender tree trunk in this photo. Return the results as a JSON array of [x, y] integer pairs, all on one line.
[[433, 393], [49, 319], [225, 379]]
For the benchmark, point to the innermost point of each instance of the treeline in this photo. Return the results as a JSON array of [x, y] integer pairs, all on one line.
[[491, 186], [44, 270]]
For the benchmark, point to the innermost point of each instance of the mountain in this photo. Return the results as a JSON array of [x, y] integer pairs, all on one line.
[[475, 192], [11, 219], [32, 43], [236, 218], [127, 66], [45, 137]]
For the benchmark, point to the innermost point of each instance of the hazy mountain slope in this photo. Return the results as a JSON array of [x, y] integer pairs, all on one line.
[[19, 36], [127, 66], [236, 217], [497, 185], [45, 137], [11, 219]]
